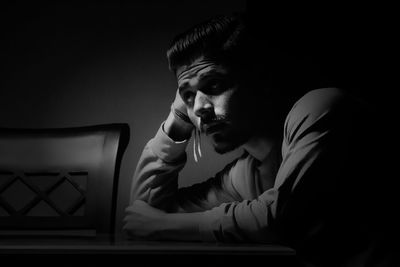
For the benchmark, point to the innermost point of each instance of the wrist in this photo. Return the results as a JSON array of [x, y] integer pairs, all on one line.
[[182, 226]]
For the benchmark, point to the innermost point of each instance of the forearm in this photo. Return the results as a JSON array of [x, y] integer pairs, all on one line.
[[156, 176], [182, 226], [230, 222], [155, 181]]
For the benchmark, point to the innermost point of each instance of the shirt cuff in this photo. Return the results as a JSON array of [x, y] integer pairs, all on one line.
[[167, 149]]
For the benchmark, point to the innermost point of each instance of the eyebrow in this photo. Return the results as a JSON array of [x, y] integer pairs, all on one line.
[[211, 73]]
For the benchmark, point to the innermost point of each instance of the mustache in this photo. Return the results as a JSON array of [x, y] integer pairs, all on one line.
[[219, 119]]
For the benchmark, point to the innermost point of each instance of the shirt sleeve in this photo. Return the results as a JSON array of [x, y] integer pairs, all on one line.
[[315, 133], [156, 179], [156, 176]]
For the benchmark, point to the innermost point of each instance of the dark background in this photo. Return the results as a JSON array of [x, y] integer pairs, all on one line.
[[347, 45], [67, 64]]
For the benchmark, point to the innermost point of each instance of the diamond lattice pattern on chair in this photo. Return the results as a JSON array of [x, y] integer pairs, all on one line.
[[43, 194]]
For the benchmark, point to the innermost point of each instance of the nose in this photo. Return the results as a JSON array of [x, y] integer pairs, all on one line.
[[202, 105]]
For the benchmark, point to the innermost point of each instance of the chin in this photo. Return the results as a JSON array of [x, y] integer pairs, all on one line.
[[224, 144], [222, 149]]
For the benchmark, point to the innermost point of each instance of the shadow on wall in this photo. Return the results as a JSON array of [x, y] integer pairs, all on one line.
[[66, 65]]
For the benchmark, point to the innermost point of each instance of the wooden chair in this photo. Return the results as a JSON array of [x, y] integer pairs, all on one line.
[[60, 181]]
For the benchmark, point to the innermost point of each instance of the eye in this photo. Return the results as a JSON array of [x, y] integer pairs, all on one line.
[[188, 97], [215, 87]]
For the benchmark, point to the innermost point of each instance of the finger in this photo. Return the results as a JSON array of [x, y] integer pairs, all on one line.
[[131, 208], [128, 218], [127, 231], [128, 209]]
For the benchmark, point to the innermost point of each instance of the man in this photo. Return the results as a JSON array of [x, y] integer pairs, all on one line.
[[303, 179]]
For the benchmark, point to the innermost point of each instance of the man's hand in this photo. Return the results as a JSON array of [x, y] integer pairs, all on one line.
[[178, 125], [180, 109], [143, 221]]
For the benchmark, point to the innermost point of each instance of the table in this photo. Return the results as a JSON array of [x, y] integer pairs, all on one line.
[[122, 252]]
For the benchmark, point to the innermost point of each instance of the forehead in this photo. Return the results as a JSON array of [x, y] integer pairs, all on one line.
[[198, 70]]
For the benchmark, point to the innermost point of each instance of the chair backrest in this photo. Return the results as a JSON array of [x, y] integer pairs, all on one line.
[[60, 181]]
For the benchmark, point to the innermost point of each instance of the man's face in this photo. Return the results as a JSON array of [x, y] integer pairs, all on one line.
[[215, 103]]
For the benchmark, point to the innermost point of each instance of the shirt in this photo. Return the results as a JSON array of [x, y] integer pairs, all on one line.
[[315, 173]]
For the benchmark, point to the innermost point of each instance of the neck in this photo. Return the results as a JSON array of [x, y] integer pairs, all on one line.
[[260, 146]]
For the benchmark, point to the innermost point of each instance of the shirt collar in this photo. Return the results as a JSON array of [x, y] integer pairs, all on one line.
[[259, 147]]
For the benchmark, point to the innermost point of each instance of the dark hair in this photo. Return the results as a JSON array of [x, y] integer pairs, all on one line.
[[220, 38], [267, 62], [258, 59]]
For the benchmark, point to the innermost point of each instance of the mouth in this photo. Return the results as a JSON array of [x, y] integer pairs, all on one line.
[[212, 128]]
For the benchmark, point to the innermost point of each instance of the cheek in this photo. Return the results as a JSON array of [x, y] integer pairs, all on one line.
[[223, 104]]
